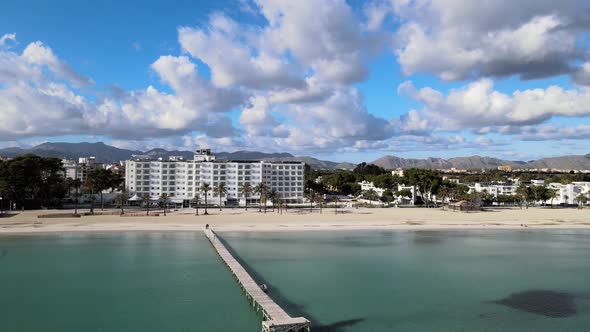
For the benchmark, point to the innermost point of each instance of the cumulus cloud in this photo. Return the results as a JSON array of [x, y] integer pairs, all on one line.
[[6, 37], [298, 69], [462, 39], [481, 108], [39, 97], [550, 132]]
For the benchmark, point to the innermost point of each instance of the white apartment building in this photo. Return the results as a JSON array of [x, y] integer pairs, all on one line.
[[182, 179], [496, 189], [79, 169], [366, 186], [567, 193]]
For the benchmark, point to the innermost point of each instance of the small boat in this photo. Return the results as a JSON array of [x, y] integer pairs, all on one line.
[[264, 287]]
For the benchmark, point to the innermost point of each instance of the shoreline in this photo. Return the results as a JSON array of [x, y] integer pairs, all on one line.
[[238, 220]]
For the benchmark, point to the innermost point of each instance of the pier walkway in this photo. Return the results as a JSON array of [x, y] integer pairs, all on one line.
[[274, 318]]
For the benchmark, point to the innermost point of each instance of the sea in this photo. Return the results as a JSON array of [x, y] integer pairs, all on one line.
[[484, 280]]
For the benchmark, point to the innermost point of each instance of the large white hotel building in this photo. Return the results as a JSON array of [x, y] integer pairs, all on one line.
[[181, 179]]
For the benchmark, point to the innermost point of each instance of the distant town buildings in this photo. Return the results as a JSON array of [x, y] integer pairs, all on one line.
[[398, 172], [495, 189], [368, 186], [181, 179], [4, 158], [79, 169], [505, 168]]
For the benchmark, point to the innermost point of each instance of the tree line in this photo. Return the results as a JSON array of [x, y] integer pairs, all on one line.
[[32, 182], [429, 184]]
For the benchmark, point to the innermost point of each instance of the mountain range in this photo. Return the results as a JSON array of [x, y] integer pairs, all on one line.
[[110, 154]]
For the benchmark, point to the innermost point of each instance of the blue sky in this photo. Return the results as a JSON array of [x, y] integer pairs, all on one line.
[[333, 79]]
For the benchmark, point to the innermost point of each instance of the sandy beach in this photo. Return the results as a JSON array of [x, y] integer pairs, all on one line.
[[302, 219]]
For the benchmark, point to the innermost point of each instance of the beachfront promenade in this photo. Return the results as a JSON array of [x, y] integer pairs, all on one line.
[[274, 318]]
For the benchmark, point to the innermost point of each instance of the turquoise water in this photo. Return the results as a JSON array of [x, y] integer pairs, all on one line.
[[342, 281], [423, 281], [118, 282]]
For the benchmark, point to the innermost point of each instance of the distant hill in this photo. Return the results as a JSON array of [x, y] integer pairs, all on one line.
[[478, 162], [101, 151], [110, 154], [565, 162]]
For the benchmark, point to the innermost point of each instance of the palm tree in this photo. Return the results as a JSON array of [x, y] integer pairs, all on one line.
[[320, 200], [122, 198], [370, 195], [273, 195], [164, 200], [90, 187], [311, 197], [76, 183], [246, 191], [220, 190], [552, 194], [196, 199], [261, 189], [205, 188], [443, 193], [581, 199], [146, 200]]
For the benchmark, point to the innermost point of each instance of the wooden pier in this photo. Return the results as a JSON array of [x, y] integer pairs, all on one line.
[[274, 318]]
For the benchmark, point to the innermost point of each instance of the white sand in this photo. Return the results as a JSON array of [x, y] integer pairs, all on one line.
[[299, 220]]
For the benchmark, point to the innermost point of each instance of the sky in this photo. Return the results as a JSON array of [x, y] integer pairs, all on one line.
[[334, 79]]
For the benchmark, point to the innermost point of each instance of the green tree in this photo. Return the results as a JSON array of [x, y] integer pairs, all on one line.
[[76, 184], [196, 200], [552, 195], [370, 195], [34, 180], [103, 179], [273, 195], [319, 199], [205, 189], [220, 191], [405, 193], [163, 201], [262, 190], [387, 196], [122, 199], [311, 197], [426, 181], [581, 199], [524, 194], [146, 200], [370, 169], [246, 192]]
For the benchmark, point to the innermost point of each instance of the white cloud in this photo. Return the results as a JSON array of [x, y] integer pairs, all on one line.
[[6, 37], [479, 107], [460, 39], [550, 132], [38, 54]]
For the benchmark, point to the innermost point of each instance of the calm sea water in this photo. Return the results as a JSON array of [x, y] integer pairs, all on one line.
[[342, 281], [118, 282], [426, 281]]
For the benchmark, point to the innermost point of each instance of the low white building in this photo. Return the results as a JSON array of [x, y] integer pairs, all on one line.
[[366, 186], [496, 189], [567, 193], [182, 179]]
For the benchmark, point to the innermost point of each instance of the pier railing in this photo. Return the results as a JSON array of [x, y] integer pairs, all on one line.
[[274, 318]]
